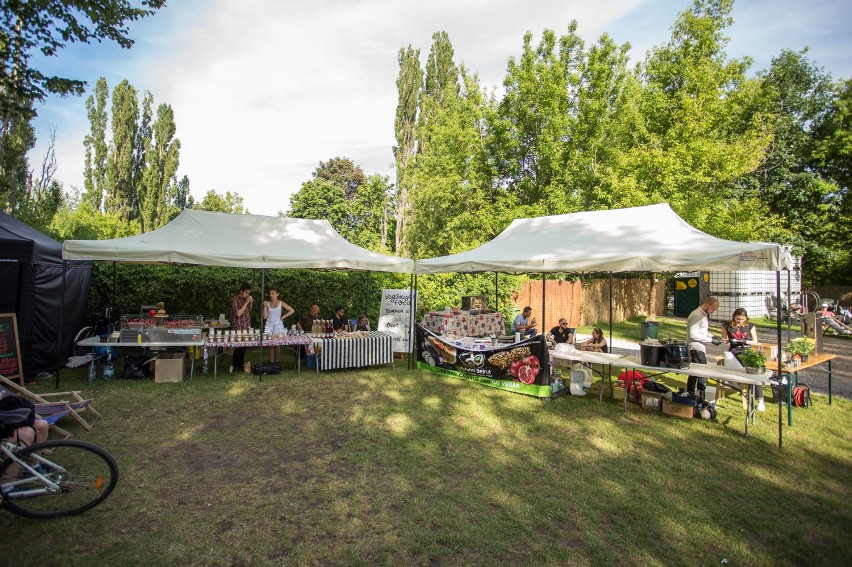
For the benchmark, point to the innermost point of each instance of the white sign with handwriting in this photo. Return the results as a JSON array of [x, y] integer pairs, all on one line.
[[395, 317]]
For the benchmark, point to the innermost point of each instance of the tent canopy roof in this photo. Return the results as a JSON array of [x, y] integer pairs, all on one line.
[[21, 242], [244, 241], [639, 239]]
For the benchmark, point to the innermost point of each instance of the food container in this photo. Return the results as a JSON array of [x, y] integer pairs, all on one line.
[[676, 355], [651, 354]]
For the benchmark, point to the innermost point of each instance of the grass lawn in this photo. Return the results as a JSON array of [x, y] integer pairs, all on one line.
[[394, 467]]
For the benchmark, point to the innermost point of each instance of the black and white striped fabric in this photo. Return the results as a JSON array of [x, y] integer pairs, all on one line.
[[356, 352]]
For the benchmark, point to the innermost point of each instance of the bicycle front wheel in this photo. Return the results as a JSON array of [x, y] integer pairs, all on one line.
[[82, 475]]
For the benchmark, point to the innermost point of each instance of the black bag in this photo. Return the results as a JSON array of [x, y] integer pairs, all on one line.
[[13, 402], [136, 367], [802, 396], [266, 368]]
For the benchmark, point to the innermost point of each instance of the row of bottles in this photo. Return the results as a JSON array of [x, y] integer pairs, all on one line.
[[322, 328]]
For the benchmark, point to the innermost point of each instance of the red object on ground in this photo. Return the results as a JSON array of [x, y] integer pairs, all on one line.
[[633, 381]]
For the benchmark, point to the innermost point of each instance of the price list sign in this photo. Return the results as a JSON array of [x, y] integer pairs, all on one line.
[[10, 349], [394, 317]]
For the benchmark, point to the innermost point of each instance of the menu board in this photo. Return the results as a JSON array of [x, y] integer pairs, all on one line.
[[10, 349], [395, 317]]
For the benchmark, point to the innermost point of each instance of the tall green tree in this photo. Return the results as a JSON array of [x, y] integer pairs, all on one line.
[[44, 28], [158, 189], [693, 107], [121, 196], [408, 86], [535, 117], [17, 137], [94, 172], [358, 207], [454, 177], [797, 99]]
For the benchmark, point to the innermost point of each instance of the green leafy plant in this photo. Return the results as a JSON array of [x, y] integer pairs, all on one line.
[[800, 346], [752, 358]]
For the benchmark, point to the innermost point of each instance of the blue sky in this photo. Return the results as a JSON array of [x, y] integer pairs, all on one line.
[[263, 90]]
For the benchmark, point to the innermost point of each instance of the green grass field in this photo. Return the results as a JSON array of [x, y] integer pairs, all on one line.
[[394, 467]]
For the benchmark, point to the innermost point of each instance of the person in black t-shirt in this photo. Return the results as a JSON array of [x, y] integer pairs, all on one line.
[[339, 321], [562, 333]]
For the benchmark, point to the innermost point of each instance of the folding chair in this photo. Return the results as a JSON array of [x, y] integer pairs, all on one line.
[[48, 407]]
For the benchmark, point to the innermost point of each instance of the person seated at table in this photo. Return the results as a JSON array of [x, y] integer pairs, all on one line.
[[306, 321], [363, 324], [524, 324], [741, 333], [595, 344], [161, 309], [562, 333], [339, 322]]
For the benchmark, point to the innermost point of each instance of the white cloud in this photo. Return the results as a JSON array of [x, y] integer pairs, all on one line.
[[264, 90]]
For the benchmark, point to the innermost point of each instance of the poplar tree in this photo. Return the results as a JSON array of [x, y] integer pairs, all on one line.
[[94, 172], [408, 85], [121, 196], [158, 187]]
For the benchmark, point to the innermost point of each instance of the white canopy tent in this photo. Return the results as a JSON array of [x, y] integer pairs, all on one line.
[[639, 239], [240, 241]]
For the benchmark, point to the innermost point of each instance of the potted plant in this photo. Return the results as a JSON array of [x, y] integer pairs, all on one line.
[[753, 360], [801, 347]]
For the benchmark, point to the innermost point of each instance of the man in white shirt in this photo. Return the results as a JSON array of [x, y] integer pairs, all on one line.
[[525, 325], [697, 337]]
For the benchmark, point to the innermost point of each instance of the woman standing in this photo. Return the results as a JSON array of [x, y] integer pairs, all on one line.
[[275, 320], [741, 333]]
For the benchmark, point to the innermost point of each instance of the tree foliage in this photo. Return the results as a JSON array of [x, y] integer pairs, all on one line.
[[30, 28]]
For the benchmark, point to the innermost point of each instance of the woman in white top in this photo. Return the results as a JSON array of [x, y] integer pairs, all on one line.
[[274, 319]]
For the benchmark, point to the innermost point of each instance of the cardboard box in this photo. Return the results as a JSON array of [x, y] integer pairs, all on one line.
[[652, 401], [168, 367], [679, 410]]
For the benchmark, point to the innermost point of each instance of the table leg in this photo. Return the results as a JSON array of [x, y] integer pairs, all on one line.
[[790, 397], [829, 382], [748, 406]]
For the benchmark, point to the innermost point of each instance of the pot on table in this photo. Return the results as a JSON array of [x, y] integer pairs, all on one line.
[[651, 353]]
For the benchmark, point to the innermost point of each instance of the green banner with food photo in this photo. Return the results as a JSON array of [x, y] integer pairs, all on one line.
[[518, 367]]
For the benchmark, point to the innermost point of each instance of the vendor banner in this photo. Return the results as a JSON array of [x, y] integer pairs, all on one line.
[[521, 367], [395, 317]]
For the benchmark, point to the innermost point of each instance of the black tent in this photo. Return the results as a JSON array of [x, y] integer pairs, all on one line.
[[31, 279]]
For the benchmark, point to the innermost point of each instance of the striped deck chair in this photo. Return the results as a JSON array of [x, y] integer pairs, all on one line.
[[71, 402]]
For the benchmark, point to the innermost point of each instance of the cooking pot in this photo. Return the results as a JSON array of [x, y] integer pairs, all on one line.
[[651, 354], [676, 355]]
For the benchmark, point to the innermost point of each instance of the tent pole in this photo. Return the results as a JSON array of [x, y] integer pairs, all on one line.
[[260, 324], [114, 285], [496, 294], [779, 358], [412, 346], [61, 316], [543, 288]]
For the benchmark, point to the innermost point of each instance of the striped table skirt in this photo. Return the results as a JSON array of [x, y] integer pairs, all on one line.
[[377, 348]]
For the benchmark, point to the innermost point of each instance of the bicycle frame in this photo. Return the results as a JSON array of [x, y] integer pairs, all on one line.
[[8, 449]]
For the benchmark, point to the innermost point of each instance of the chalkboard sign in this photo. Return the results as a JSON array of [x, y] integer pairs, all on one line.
[[10, 348]]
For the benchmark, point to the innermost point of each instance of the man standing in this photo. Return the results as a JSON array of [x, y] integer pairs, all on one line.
[[241, 321], [524, 324], [697, 337]]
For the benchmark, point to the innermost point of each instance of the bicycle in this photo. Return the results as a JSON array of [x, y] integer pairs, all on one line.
[[53, 479]]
